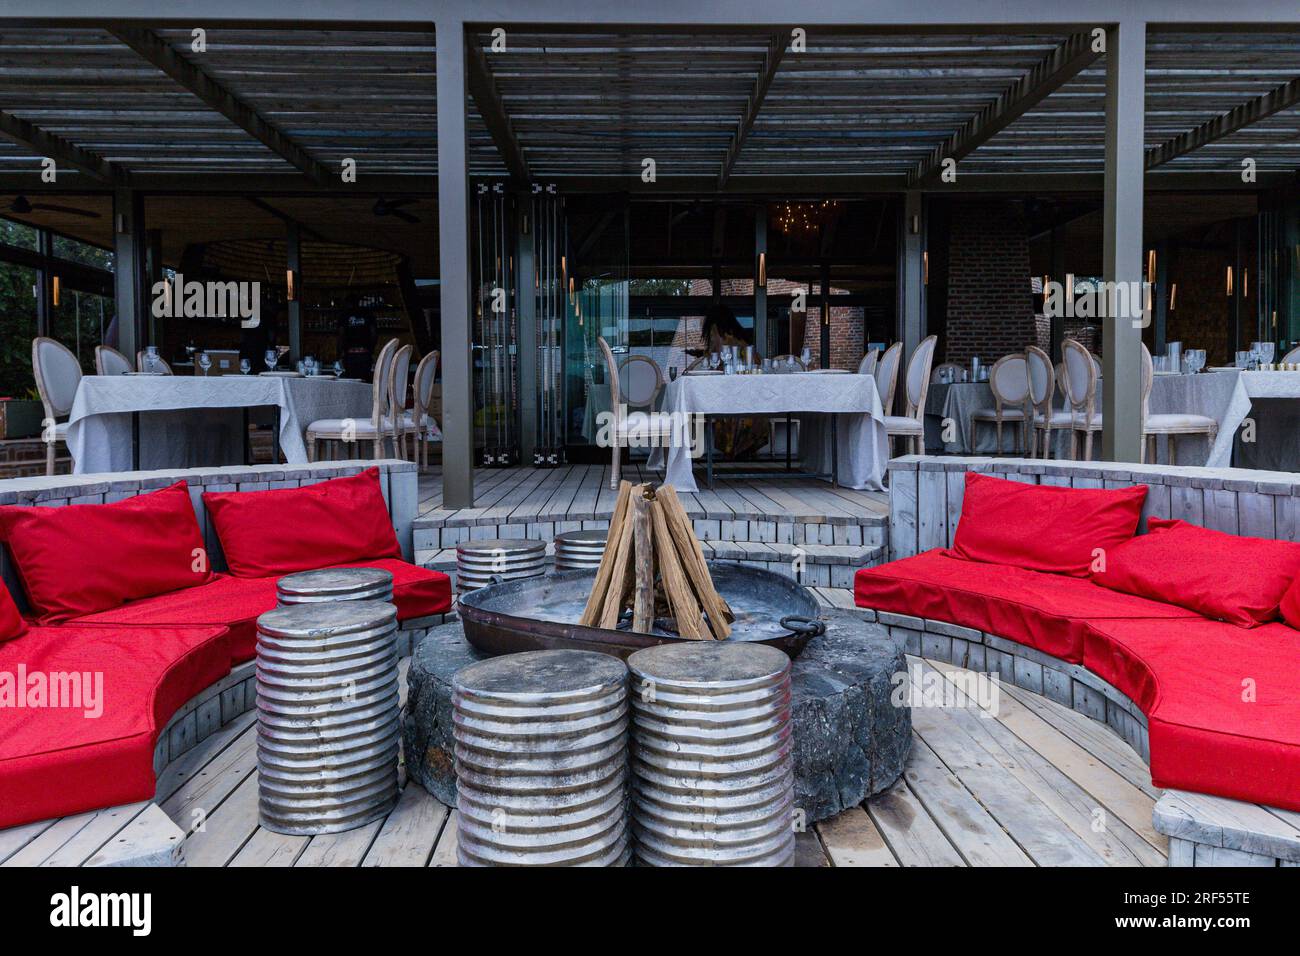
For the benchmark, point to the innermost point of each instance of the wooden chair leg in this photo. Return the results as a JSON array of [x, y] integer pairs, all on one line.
[[1173, 456], [1087, 446], [49, 456], [614, 468]]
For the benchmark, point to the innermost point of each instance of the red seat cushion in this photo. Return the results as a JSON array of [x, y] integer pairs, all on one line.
[[1049, 612], [79, 559], [1223, 576], [340, 521], [11, 621], [57, 760], [238, 602], [1043, 527], [1222, 702]]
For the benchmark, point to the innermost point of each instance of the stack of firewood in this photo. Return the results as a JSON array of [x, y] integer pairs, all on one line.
[[653, 564]]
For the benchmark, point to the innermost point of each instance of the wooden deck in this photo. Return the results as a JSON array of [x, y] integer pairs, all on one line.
[[1034, 785]]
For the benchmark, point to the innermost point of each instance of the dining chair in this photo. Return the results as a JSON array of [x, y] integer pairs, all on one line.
[[350, 430], [887, 376], [1009, 382], [109, 361], [1291, 357], [870, 359], [646, 426], [58, 373], [786, 359], [937, 375], [162, 362], [419, 418], [911, 424], [399, 383], [1041, 401], [1170, 424], [640, 381], [1080, 396]]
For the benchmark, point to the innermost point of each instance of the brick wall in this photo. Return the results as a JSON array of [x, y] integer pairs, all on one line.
[[1202, 316], [990, 302]]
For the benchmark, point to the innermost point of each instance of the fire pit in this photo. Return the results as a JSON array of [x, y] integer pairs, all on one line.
[[537, 614]]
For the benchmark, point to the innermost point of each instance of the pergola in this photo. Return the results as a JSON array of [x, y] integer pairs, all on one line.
[[824, 97]]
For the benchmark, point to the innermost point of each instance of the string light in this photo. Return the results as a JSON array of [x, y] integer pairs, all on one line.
[[805, 218]]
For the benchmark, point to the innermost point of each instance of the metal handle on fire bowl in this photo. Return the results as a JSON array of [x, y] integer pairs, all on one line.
[[804, 625]]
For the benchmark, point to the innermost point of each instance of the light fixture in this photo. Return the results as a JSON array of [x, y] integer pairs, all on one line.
[[1245, 282], [1173, 296], [54, 281], [1229, 292], [762, 270], [925, 267], [1069, 288], [291, 285], [1151, 265]]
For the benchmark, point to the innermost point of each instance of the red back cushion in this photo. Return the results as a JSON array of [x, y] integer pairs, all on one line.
[[79, 559], [11, 622], [296, 529], [1223, 576], [1043, 527]]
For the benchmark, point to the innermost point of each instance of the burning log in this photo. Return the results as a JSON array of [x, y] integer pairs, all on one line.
[[654, 565]]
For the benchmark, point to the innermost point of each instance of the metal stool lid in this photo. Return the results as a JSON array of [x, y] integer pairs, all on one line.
[[340, 581], [326, 618], [583, 537], [506, 545], [709, 664], [547, 674]]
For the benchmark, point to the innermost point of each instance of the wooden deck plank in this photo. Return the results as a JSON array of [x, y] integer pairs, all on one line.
[[226, 828], [851, 839], [103, 826], [444, 853], [410, 833], [913, 837], [348, 848], [267, 848], [13, 839]]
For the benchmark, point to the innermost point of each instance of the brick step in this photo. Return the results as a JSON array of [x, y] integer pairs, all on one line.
[[819, 565]]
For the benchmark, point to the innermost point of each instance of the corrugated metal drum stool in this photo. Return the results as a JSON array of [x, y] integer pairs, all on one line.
[[480, 563], [327, 715], [712, 764], [541, 760], [335, 584], [576, 550]]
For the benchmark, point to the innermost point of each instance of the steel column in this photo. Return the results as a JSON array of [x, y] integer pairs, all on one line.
[[525, 230], [1122, 232], [293, 262], [453, 262], [761, 344], [128, 270], [911, 276]]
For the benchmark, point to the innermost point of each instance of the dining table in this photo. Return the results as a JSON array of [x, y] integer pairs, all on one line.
[[841, 421], [133, 422]]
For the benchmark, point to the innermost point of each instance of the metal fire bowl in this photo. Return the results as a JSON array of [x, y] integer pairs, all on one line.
[[539, 614]]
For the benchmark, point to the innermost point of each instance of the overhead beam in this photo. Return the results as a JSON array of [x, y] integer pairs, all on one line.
[[771, 63], [1239, 117], [55, 147], [483, 89], [1050, 74], [162, 55]]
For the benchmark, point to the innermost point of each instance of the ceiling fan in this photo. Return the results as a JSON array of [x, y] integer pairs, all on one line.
[[22, 206], [393, 207]]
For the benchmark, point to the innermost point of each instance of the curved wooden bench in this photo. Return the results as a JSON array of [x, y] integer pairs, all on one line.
[[1203, 830]]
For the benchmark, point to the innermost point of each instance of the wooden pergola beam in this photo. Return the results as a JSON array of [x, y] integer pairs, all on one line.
[[162, 55], [771, 63], [55, 147], [483, 89], [1050, 74], [1239, 117]]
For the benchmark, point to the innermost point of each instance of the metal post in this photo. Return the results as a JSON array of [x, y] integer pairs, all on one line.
[[293, 262], [128, 269], [453, 261], [1160, 297], [1057, 275], [761, 344], [44, 284], [824, 327], [526, 298], [1122, 259], [911, 277]]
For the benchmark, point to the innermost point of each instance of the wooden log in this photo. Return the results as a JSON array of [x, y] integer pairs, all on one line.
[[620, 578], [696, 568], [681, 597], [595, 601], [643, 607]]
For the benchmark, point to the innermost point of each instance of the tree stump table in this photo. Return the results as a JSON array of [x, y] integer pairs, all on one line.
[[851, 739]]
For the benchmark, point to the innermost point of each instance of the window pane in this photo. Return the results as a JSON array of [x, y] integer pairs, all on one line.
[[17, 329], [82, 320]]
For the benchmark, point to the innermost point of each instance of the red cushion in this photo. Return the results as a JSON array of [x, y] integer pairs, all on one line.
[[57, 760], [11, 621], [1290, 606], [1043, 527], [79, 559], [298, 529], [1049, 612], [238, 602], [1222, 576], [1194, 679]]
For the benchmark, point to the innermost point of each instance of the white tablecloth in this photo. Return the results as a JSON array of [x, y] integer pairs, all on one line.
[[188, 421], [862, 443], [1268, 398]]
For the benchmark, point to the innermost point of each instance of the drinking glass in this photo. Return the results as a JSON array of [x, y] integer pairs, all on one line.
[[205, 362], [1242, 359], [245, 366], [271, 357], [714, 360], [1266, 351], [672, 373], [805, 356], [151, 359], [789, 364], [338, 369]]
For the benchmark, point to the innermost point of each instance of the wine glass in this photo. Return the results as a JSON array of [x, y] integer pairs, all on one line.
[[805, 356], [714, 360], [271, 357], [151, 359], [338, 369], [245, 366], [1266, 352], [205, 362]]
